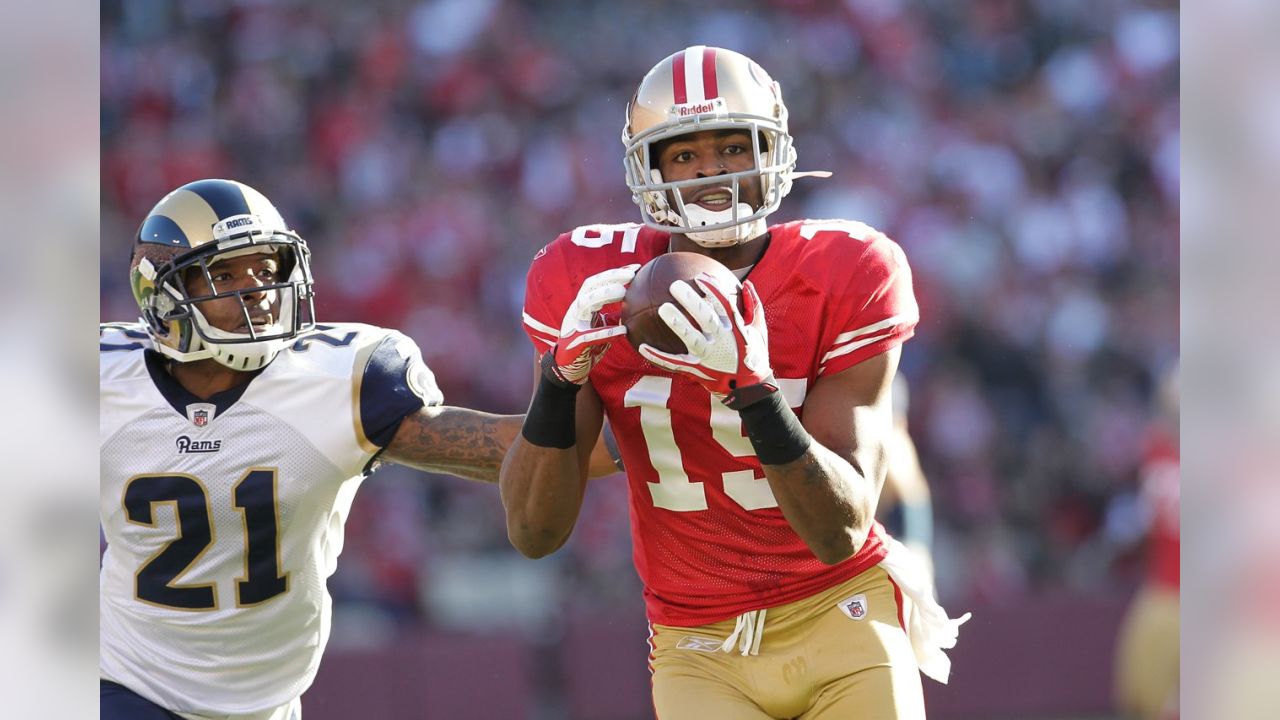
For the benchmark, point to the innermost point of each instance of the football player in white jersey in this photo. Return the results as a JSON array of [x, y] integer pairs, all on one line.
[[234, 433]]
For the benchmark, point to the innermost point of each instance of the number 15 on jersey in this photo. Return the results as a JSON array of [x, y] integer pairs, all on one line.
[[674, 490]]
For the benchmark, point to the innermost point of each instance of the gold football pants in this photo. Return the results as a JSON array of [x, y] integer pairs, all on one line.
[[1147, 655], [841, 653]]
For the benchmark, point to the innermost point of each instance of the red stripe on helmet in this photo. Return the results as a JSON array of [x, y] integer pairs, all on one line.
[[709, 87], [677, 77]]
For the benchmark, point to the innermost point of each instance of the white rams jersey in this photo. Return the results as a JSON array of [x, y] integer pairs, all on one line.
[[224, 517]]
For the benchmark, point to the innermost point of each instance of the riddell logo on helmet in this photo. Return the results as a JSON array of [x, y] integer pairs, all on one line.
[[696, 109], [684, 110]]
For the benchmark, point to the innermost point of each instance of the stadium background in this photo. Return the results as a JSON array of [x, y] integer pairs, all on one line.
[[1025, 155]]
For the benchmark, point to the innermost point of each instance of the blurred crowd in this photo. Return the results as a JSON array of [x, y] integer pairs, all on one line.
[[1023, 152]]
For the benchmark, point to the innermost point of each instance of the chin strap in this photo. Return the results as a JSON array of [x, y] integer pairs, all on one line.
[[727, 237], [700, 216]]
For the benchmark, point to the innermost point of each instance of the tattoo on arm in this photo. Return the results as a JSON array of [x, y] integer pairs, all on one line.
[[458, 441]]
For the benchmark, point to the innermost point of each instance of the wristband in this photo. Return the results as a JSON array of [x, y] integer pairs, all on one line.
[[550, 422], [774, 430], [551, 373], [740, 398]]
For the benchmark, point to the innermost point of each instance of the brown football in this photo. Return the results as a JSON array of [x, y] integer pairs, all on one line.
[[652, 287]]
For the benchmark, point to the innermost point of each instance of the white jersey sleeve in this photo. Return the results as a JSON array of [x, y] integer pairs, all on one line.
[[224, 516]]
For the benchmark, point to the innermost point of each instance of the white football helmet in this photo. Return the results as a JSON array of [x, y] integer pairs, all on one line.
[[195, 226], [708, 88]]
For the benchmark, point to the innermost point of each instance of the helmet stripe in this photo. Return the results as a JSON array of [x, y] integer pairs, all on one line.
[[224, 196], [693, 73], [191, 213], [677, 79], [161, 230], [711, 88]]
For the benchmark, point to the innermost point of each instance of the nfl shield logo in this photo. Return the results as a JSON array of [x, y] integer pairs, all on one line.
[[201, 414], [855, 607]]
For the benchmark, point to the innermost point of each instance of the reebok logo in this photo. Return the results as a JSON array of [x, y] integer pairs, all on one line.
[[699, 644], [186, 445]]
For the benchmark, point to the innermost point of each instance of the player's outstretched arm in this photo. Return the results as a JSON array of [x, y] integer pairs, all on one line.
[[467, 443], [459, 441]]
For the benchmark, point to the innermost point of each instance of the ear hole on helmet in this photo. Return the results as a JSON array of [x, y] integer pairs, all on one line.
[[288, 259]]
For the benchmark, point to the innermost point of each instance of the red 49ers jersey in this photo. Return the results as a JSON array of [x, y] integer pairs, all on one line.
[[709, 539], [1160, 490]]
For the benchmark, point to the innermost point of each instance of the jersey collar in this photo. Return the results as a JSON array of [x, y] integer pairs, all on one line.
[[179, 397]]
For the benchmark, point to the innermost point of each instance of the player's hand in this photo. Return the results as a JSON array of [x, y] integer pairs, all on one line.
[[583, 336], [728, 350]]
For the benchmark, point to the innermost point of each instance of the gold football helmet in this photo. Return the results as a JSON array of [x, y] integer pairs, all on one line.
[[708, 88], [190, 229]]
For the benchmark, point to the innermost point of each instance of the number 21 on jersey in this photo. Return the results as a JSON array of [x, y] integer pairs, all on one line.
[[254, 497], [674, 490]]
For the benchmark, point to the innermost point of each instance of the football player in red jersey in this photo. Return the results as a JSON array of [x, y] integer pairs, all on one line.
[[755, 459], [1147, 663]]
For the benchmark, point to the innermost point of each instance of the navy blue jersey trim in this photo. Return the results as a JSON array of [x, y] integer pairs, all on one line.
[[160, 230], [385, 395], [117, 702], [224, 197], [179, 397], [127, 331]]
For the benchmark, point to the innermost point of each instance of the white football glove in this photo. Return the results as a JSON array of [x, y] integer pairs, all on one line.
[[582, 341], [728, 350]]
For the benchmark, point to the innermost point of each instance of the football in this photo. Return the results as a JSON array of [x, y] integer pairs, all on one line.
[[652, 287]]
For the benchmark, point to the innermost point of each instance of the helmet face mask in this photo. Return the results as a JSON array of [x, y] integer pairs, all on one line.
[[181, 277], [179, 298], [700, 89]]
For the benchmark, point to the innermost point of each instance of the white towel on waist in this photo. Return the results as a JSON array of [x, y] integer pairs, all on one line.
[[928, 627]]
